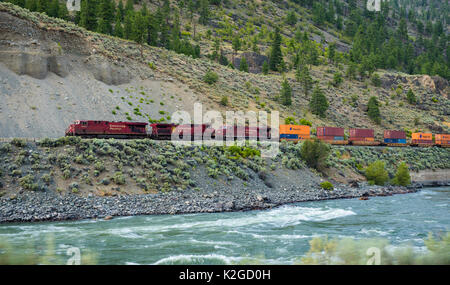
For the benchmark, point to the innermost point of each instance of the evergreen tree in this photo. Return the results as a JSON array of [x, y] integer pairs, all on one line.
[[243, 66], [286, 93], [304, 78], [153, 28], [31, 5], [332, 51], [53, 8], [265, 68], [376, 173], [291, 18], [402, 176], [42, 6], [373, 110], [128, 25], [236, 44], [276, 57], [411, 97], [118, 28], [120, 11], [139, 33], [63, 13], [88, 14], [318, 103], [129, 6], [204, 12]]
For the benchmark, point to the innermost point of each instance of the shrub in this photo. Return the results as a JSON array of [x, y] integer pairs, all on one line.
[[118, 178], [27, 182], [373, 109], [5, 148], [411, 97], [402, 176], [99, 166], [224, 101], [376, 173], [211, 77], [18, 142], [327, 185], [376, 80], [315, 153]]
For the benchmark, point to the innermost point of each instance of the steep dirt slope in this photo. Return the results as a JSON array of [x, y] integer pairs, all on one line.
[[53, 72]]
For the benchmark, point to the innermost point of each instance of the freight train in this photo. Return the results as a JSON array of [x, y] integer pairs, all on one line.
[[295, 133]]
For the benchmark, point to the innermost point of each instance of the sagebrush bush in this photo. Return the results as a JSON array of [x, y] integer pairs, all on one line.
[[376, 173], [315, 154], [327, 185], [211, 77]]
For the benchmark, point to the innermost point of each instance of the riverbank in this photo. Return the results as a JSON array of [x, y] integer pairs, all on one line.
[[47, 206], [70, 178]]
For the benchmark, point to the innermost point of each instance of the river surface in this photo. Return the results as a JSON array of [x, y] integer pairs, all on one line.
[[276, 236]]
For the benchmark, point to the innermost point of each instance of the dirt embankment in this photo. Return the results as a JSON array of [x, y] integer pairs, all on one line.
[[438, 177]]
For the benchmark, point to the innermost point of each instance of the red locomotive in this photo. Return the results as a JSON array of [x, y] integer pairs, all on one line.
[[106, 129]]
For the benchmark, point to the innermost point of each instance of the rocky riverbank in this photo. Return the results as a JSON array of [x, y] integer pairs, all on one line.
[[48, 206], [70, 178]]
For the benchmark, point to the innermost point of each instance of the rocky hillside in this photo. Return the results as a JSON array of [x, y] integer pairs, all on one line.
[[53, 72], [119, 167]]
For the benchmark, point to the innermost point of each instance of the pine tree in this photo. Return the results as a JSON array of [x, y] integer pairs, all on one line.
[[373, 110], [276, 57], [303, 76], [120, 11], [236, 44], [128, 25], [411, 97], [63, 13], [53, 8], [129, 6], [118, 28], [402, 176], [332, 52], [88, 14], [286, 93], [265, 68], [42, 6], [31, 5], [243, 66], [204, 12], [318, 103], [139, 33], [153, 28]]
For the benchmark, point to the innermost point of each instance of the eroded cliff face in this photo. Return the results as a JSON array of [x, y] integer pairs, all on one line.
[[431, 175], [51, 76]]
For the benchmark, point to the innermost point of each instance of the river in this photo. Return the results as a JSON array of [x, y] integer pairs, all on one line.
[[276, 236]]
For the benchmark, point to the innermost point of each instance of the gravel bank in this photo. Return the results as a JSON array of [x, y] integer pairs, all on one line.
[[49, 206]]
